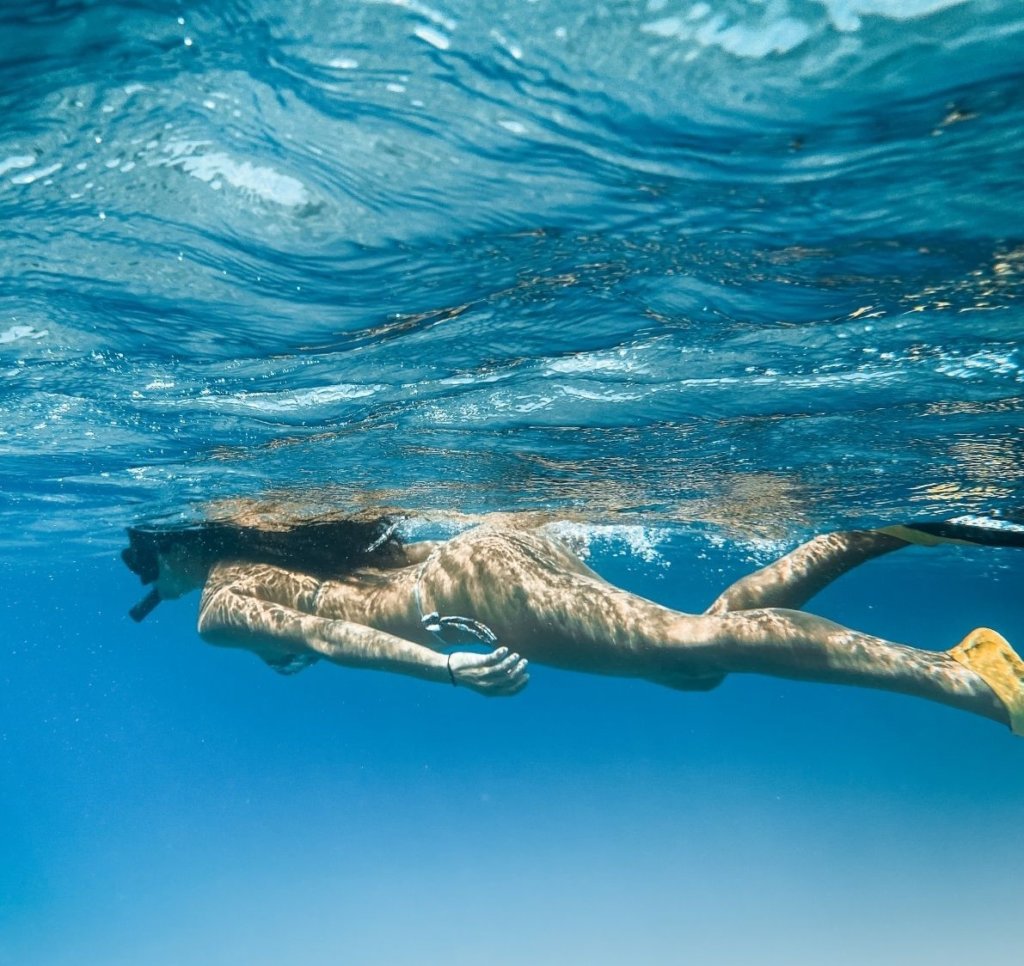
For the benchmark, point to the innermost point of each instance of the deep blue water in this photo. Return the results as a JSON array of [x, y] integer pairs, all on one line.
[[703, 278]]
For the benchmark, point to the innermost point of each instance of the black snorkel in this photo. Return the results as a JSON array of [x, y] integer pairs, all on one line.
[[140, 559], [145, 606]]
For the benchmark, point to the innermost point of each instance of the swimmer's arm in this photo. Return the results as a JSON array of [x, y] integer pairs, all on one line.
[[234, 619]]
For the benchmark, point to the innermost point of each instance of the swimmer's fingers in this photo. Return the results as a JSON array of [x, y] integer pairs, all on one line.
[[481, 666], [497, 674], [511, 679]]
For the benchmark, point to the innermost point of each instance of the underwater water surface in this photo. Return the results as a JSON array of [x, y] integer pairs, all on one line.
[[699, 278]]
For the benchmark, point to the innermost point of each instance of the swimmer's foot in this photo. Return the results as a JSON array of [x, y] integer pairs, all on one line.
[[990, 656], [988, 531]]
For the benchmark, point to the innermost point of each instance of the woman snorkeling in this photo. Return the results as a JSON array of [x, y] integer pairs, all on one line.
[[350, 591]]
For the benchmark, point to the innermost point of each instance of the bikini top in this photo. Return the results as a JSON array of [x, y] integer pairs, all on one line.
[[291, 663]]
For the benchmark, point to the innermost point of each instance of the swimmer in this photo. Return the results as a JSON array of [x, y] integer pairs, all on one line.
[[351, 592]]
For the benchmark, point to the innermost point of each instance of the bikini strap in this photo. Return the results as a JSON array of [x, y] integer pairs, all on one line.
[[437, 625]]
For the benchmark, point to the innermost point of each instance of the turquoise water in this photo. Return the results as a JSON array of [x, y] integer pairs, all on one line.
[[702, 279]]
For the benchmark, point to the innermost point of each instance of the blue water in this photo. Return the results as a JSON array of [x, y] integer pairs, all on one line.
[[701, 278]]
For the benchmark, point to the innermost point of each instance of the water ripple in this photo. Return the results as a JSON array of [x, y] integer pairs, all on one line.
[[757, 265]]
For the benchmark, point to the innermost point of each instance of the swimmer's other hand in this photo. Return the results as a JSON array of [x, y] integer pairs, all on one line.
[[497, 675]]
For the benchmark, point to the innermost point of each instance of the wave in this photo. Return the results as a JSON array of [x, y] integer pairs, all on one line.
[[750, 263]]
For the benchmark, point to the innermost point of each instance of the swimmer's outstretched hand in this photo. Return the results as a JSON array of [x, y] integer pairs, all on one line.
[[499, 674]]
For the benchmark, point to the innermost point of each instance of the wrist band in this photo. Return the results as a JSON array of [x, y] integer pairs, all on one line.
[[451, 673]]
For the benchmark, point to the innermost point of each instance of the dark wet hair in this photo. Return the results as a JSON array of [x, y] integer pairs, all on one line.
[[319, 548]]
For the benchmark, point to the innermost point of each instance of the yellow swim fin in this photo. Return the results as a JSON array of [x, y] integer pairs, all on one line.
[[913, 535], [990, 656], [982, 531]]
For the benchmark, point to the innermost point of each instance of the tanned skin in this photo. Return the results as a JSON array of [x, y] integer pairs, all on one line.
[[545, 605]]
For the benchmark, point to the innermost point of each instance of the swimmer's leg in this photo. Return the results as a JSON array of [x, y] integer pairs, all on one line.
[[794, 644], [794, 579], [606, 630]]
